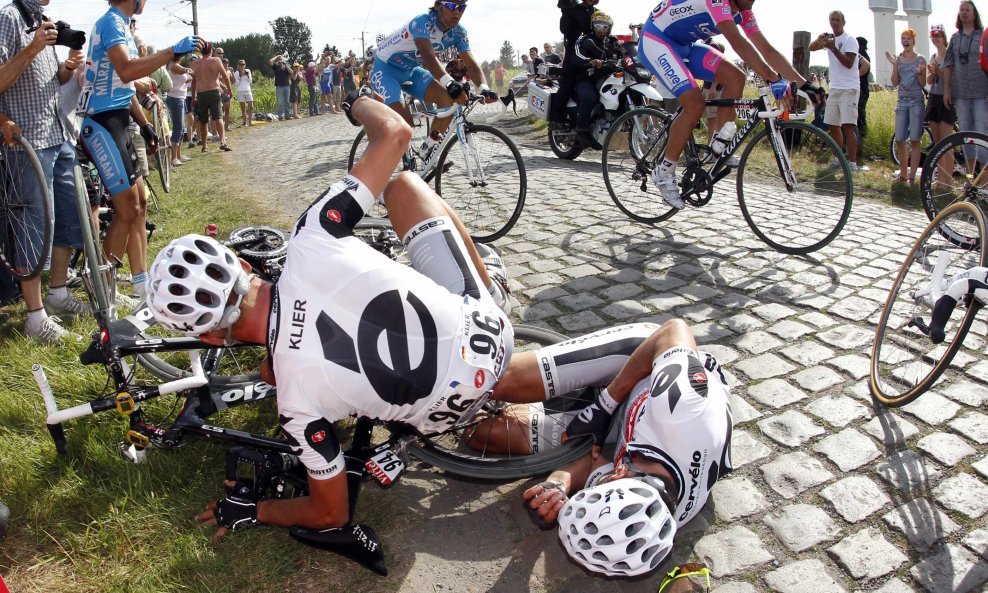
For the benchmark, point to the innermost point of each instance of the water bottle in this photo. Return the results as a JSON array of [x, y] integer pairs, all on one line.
[[723, 137], [212, 230]]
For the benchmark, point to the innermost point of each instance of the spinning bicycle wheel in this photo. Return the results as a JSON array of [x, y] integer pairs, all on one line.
[[163, 165], [804, 212], [482, 177], [25, 211], [468, 451], [952, 177], [904, 361], [633, 148]]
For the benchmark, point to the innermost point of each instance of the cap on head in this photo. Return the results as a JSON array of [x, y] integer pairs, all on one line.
[[936, 30]]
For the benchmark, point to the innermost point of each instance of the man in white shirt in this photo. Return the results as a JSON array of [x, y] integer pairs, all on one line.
[[842, 104]]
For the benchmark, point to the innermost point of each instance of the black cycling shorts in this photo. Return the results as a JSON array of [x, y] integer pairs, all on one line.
[[108, 142], [209, 106]]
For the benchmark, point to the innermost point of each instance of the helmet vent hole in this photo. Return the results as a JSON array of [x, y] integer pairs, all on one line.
[[580, 496], [206, 247], [204, 319], [593, 498], [649, 552], [630, 510], [591, 528], [644, 493], [598, 555], [191, 258], [179, 308], [654, 509], [584, 544], [622, 566], [178, 271], [666, 529], [177, 289], [635, 545], [206, 298], [605, 540], [581, 513], [217, 273], [573, 530], [634, 529], [568, 511]]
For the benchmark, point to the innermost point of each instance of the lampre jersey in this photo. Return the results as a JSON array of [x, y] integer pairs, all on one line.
[[398, 49], [688, 21], [353, 332]]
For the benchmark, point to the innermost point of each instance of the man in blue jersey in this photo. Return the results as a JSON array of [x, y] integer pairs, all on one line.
[[410, 55], [112, 66], [672, 47]]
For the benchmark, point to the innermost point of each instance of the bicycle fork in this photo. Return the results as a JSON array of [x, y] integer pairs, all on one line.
[[782, 158], [475, 172]]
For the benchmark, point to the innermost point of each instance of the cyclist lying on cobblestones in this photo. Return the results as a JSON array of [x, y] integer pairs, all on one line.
[[670, 437], [350, 331]]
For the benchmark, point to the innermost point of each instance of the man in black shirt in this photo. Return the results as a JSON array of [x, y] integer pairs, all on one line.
[[575, 21], [589, 55], [550, 56], [533, 53], [863, 71]]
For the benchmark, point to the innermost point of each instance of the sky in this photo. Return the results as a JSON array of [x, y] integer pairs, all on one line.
[[524, 23]]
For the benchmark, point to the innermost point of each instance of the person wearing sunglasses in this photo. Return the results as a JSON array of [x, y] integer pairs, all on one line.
[[939, 117], [410, 54], [965, 84]]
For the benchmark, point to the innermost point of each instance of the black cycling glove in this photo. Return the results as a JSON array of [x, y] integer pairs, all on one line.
[[238, 510], [594, 419], [150, 138], [455, 89], [364, 91]]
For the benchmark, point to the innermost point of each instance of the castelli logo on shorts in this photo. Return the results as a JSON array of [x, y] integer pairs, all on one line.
[[334, 215], [478, 379], [319, 436], [699, 377]]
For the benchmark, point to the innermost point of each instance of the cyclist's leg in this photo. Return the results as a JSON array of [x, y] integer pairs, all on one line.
[[427, 88], [137, 242], [665, 59], [386, 80], [707, 61]]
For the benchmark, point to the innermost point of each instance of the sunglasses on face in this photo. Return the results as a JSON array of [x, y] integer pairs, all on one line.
[[455, 6]]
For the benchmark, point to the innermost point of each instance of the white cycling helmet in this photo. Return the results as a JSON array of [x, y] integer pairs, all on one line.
[[190, 283], [620, 528]]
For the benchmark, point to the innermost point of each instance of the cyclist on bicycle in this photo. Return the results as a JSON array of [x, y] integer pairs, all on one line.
[[410, 55], [671, 47], [108, 95]]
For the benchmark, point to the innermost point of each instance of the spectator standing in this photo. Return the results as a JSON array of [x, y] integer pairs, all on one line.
[[486, 69], [499, 77], [536, 59], [161, 78], [909, 74], [282, 85], [326, 84], [209, 84], [349, 67], [30, 76], [295, 95], [175, 101], [965, 84], [864, 76], [527, 64], [337, 84], [226, 98], [842, 105], [940, 117], [550, 56], [310, 83], [245, 95]]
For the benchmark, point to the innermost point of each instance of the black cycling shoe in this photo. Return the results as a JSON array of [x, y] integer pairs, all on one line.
[[357, 542]]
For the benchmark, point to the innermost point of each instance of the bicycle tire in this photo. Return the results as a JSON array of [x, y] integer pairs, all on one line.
[[904, 364], [937, 193], [355, 150], [25, 229], [489, 208], [93, 255], [471, 464], [632, 149], [926, 141], [773, 212], [161, 155]]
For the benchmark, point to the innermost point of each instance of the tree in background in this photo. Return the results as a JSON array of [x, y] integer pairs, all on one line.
[[293, 38], [255, 49], [507, 55], [330, 49]]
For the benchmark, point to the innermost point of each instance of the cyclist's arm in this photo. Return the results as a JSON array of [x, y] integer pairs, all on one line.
[[774, 58], [747, 51], [130, 69], [326, 506], [428, 57], [137, 112], [387, 135]]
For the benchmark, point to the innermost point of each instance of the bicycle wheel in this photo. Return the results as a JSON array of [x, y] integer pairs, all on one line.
[[25, 211], [481, 176], [161, 156], [904, 362], [925, 142], [449, 452], [634, 146], [952, 178], [802, 204]]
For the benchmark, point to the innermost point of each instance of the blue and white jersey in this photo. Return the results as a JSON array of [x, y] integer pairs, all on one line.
[[688, 21], [398, 49], [103, 89]]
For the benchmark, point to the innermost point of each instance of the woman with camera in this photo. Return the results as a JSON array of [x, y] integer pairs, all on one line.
[[965, 84], [113, 64]]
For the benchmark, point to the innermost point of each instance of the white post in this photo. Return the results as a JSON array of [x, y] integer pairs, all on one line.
[[884, 39], [918, 14]]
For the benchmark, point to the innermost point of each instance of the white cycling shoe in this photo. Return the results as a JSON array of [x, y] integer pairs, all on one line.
[[668, 188]]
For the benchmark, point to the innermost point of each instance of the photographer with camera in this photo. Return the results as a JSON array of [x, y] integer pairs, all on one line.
[[30, 76]]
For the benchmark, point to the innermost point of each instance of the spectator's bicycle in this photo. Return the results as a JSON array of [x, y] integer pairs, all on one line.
[[161, 162], [479, 171], [920, 330], [969, 182], [25, 225], [793, 182]]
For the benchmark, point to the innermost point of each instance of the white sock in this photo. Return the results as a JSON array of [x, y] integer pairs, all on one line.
[[59, 294], [36, 317], [667, 167], [497, 294], [137, 283]]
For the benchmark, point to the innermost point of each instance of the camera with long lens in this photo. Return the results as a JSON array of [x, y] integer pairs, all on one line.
[[268, 474], [69, 37]]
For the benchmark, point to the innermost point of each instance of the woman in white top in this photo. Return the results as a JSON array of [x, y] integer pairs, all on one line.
[[175, 101], [245, 96]]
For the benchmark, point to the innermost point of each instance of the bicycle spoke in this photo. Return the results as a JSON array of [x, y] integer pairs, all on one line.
[[634, 146], [25, 212]]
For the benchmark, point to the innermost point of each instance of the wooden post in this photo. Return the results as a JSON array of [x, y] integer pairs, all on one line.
[[801, 53]]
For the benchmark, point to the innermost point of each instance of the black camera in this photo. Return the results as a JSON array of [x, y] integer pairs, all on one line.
[[829, 35], [69, 37], [268, 474]]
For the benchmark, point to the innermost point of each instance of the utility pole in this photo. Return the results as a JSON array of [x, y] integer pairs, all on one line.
[[195, 18]]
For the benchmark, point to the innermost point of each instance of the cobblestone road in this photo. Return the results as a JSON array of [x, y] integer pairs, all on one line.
[[829, 494]]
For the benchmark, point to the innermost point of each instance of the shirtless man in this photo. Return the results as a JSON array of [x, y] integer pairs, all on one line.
[[210, 78]]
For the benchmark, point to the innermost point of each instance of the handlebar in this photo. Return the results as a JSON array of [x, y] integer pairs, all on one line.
[[472, 100], [766, 94], [973, 282]]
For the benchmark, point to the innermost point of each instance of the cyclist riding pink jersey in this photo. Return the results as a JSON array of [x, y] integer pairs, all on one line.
[[672, 47], [409, 55]]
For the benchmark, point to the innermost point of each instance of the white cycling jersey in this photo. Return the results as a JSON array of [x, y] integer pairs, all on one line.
[[353, 332], [398, 49]]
